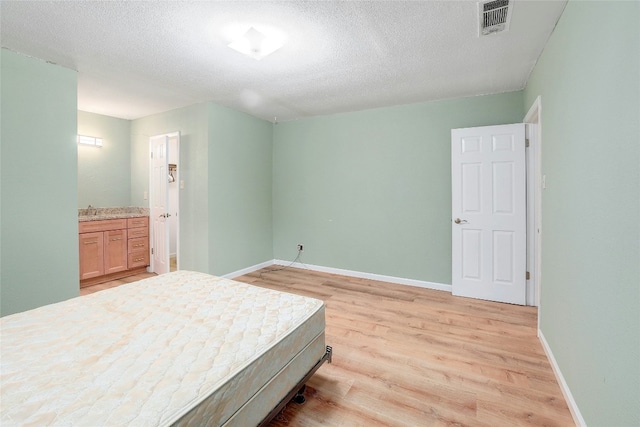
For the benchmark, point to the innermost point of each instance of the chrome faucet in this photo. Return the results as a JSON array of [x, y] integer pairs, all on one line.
[[95, 211]]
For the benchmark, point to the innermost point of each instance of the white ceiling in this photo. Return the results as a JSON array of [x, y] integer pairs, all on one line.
[[136, 58]]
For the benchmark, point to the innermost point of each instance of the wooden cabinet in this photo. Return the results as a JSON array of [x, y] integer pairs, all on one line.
[[91, 255], [138, 247], [111, 249], [103, 247], [115, 251]]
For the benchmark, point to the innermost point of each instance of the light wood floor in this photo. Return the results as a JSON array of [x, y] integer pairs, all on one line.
[[405, 356]]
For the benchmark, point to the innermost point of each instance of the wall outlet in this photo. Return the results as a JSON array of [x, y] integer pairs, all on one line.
[[300, 247]]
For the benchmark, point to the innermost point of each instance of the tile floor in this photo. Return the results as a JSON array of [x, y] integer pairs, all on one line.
[[114, 283], [173, 266]]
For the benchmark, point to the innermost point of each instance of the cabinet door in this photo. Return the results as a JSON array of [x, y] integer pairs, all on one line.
[[115, 251], [91, 255]]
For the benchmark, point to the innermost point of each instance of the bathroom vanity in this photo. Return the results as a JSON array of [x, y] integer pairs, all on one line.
[[113, 243]]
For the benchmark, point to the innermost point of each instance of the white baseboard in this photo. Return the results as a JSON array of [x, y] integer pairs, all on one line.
[[573, 406], [248, 270], [371, 276]]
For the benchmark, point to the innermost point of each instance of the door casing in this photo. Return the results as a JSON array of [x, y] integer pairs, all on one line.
[[533, 120]]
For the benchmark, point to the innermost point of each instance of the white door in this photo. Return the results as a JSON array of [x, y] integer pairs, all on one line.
[[159, 197], [489, 213]]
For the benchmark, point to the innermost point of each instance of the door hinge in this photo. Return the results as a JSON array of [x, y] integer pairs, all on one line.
[[152, 153], [526, 143], [152, 254], [528, 276]]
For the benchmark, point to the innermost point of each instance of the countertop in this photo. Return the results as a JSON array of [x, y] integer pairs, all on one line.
[[100, 214]]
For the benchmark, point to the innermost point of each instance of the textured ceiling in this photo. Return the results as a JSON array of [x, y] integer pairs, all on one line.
[[136, 58]]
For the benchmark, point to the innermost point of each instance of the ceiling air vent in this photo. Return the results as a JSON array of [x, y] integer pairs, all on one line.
[[495, 16]]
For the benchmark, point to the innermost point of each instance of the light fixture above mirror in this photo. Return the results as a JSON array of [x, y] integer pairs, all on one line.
[[90, 140]]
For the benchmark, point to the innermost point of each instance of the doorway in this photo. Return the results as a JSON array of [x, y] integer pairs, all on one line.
[[164, 185], [535, 185]]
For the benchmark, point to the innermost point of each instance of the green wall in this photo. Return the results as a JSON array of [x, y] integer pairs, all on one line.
[[104, 174], [370, 191], [589, 86], [192, 123], [225, 163], [240, 188], [39, 226]]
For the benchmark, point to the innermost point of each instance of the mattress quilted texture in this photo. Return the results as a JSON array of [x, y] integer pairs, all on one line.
[[147, 353]]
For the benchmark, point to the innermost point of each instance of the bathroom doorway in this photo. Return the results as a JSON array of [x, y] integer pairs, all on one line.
[[164, 185]]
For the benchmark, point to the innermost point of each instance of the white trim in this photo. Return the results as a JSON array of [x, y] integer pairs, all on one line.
[[177, 206], [532, 135], [534, 110], [248, 270], [566, 392], [371, 276], [534, 116]]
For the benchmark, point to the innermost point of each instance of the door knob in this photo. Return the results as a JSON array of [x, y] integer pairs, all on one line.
[[460, 221]]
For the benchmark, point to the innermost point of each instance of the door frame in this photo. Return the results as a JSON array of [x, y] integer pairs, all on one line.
[[533, 119], [169, 135]]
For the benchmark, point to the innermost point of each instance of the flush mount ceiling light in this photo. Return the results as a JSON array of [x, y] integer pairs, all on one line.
[[256, 45]]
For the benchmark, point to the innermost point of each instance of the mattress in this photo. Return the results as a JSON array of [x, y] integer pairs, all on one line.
[[183, 348]]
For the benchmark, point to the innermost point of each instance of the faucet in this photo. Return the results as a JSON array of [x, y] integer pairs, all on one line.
[[95, 211]]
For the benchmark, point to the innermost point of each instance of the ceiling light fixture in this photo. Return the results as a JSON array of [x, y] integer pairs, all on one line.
[[256, 45]]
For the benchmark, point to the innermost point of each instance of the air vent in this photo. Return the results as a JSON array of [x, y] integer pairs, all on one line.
[[495, 16]]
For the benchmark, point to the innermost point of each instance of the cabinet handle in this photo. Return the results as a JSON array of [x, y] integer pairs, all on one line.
[[115, 238], [138, 259], [91, 243], [138, 245]]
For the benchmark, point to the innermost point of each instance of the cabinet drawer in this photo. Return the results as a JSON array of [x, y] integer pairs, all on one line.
[[139, 245], [138, 232], [138, 259], [114, 236], [104, 225], [142, 221]]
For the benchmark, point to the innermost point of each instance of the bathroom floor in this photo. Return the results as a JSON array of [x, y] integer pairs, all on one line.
[[173, 266], [114, 283]]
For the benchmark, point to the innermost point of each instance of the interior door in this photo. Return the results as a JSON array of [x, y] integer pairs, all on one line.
[[159, 197], [488, 178]]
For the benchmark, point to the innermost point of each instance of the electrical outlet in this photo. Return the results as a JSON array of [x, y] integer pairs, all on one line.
[[300, 247]]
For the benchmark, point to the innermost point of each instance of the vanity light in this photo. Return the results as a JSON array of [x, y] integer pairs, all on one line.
[[256, 45], [90, 140]]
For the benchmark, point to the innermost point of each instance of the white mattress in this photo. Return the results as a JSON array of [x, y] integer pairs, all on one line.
[[171, 349]]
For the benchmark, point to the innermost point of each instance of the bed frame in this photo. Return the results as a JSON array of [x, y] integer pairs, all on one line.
[[296, 393]]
